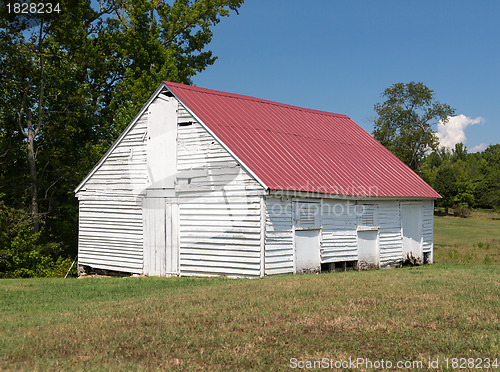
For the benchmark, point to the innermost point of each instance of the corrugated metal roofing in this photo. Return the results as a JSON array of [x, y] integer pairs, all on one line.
[[293, 148]]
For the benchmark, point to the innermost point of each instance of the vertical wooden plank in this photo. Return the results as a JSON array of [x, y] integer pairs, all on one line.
[[293, 238], [152, 237], [432, 230], [175, 238], [368, 252], [147, 231], [146, 243], [165, 237], [156, 237], [159, 235], [168, 236], [262, 236]]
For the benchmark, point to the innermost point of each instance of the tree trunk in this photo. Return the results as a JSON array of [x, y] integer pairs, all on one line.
[[31, 135], [33, 173]]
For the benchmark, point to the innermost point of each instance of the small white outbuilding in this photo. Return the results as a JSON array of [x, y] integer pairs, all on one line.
[[204, 182]]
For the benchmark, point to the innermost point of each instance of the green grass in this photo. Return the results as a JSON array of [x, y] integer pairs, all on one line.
[[222, 324], [446, 310], [475, 239]]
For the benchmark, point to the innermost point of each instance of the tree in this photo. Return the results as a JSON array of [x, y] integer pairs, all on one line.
[[71, 80], [40, 72], [459, 152], [82, 73], [156, 41], [406, 120], [488, 192], [465, 180], [446, 185], [464, 198]]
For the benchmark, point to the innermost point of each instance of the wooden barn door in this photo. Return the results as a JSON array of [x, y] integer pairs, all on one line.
[[368, 251], [307, 257], [411, 226], [368, 236], [161, 247], [307, 237]]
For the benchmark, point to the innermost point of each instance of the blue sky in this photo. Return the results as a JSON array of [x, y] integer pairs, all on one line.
[[339, 56]]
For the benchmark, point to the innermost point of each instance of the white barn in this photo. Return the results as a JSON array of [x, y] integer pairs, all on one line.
[[204, 182]]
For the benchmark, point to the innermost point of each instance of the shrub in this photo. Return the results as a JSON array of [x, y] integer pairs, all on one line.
[[22, 254]]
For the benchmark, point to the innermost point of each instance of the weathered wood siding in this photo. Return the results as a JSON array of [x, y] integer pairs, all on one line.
[[219, 207], [340, 221], [339, 242], [428, 226], [279, 244], [110, 219], [125, 170], [389, 220]]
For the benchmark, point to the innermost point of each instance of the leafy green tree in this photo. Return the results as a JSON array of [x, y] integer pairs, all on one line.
[[40, 83], [446, 185], [406, 121], [459, 152], [158, 41], [430, 166], [70, 81], [465, 180], [489, 181], [465, 194], [434, 159]]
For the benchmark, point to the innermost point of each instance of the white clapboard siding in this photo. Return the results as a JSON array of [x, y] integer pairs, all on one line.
[[338, 238], [125, 169], [390, 243], [219, 207], [279, 249], [428, 226], [110, 235], [110, 219]]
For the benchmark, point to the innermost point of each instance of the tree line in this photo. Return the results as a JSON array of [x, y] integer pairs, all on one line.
[[70, 81], [464, 180], [405, 124]]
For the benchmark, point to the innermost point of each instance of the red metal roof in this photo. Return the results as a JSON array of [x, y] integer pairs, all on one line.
[[293, 148]]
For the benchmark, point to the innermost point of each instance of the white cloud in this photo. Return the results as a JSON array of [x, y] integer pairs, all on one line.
[[453, 131], [479, 148]]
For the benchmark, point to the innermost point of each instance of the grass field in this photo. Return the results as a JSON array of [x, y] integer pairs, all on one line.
[[407, 314], [474, 239]]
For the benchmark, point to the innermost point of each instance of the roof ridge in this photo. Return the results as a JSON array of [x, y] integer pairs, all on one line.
[[251, 98]]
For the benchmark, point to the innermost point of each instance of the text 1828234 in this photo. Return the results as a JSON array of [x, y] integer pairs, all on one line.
[[33, 8]]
